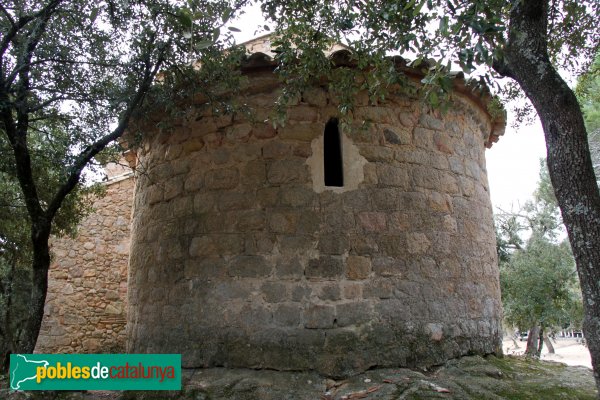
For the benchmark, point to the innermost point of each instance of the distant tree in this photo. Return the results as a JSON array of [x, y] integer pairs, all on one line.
[[538, 278], [539, 289]]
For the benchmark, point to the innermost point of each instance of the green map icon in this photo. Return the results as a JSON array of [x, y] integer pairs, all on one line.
[[23, 369]]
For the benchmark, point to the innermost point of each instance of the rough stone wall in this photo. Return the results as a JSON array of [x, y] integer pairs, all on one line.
[[237, 261], [87, 288]]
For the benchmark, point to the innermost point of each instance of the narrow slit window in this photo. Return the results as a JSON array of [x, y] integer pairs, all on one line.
[[332, 154]]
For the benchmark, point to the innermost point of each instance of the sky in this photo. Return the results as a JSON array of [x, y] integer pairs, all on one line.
[[512, 163]]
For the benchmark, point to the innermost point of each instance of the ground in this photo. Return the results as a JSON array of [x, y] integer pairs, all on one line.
[[468, 378], [569, 351]]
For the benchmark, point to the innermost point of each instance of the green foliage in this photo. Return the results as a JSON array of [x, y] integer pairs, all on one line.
[[72, 73], [438, 34], [588, 94], [542, 214], [508, 235], [47, 168], [305, 30], [539, 285], [544, 193], [537, 275]]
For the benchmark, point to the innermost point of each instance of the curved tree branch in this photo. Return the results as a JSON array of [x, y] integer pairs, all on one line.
[[89, 152]]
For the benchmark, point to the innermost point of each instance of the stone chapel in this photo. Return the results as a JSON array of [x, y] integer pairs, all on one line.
[[310, 246]]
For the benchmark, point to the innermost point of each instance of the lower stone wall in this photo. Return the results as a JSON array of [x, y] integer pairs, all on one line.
[[87, 288]]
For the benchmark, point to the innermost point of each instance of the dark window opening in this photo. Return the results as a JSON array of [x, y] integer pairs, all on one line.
[[332, 154]]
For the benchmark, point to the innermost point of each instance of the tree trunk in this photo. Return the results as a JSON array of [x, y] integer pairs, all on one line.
[[526, 60], [17, 298], [532, 341], [23, 330], [39, 289], [514, 340], [6, 291], [549, 344], [540, 345]]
